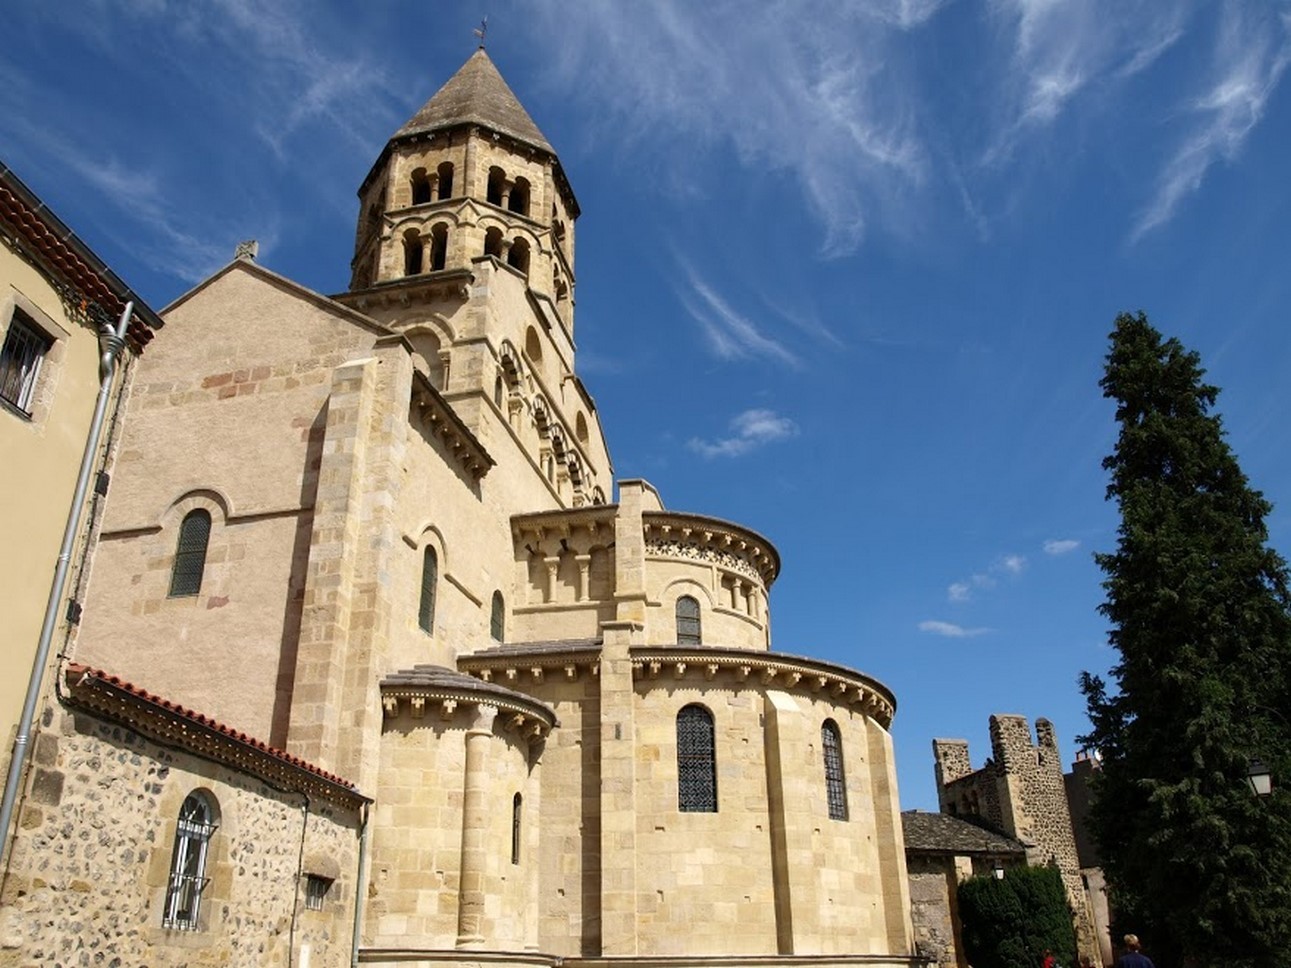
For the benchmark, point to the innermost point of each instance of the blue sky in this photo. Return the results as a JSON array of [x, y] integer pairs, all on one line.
[[845, 271]]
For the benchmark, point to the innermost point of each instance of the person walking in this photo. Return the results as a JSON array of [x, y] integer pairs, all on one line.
[[1133, 958]]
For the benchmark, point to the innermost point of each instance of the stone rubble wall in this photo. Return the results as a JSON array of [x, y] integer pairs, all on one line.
[[92, 856]]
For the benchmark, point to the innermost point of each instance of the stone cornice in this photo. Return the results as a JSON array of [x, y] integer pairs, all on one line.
[[529, 718], [439, 416], [596, 519], [410, 290], [736, 666], [672, 534]]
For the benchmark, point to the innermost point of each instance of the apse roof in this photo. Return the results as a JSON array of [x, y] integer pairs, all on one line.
[[477, 94]]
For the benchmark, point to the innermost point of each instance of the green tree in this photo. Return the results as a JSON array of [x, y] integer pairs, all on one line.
[[1198, 606], [1010, 923]]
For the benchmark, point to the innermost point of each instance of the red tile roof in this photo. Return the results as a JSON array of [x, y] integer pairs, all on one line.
[[108, 694]]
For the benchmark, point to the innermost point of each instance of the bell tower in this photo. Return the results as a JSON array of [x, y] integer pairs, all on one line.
[[470, 175]]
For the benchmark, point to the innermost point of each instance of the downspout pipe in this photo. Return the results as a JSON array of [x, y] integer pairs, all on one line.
[[360, 891], [111, 342]]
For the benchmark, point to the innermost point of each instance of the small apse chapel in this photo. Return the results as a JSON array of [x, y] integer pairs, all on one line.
[[372, 658]]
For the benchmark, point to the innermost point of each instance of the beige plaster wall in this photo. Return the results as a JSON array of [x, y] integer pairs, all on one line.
[[91, 860], [43, 454]]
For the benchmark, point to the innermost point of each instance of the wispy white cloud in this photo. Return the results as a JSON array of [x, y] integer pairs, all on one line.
[[1062, 48], [1009, 565], [810, 90], [950, 630], [730, 334], [1252, 50], [748, 430], [1060, 546]]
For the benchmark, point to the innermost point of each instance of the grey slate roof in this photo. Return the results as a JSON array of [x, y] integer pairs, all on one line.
[[943, 834], [521, 649], [477, 94]]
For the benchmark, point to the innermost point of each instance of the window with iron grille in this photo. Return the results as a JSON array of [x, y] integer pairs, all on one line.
[[429, 578], [517, 805], [316, 888], [696, 761], [688, 621], [188, 863], [25, 346], [190, 554], [497, 619], [835, 782]]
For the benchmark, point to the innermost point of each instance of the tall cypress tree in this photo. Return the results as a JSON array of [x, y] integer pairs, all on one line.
[[1199, 612]]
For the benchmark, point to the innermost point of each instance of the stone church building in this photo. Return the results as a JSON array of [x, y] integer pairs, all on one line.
[[377, 663]]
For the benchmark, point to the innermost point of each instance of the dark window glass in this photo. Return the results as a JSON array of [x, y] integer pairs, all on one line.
[[190, 554], [696, 761], [497, 620], [835, 783], [688, 621], [429, 579]]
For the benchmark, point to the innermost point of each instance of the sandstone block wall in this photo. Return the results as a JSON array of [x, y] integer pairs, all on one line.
[[93, 850]]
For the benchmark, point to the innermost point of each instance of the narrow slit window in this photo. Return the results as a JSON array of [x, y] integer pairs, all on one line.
[[190, 554], [429, 581], [696, 761], [831, 742], [497, 618], [688, 631], [316, 888], [517, 810]]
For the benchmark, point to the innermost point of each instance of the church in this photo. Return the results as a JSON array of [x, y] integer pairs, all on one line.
[[377, 662]]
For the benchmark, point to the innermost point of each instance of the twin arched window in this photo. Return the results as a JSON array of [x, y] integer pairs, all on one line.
[[688, 631], [429, 580], [831, 742], [190, 554], [188, 862], [696, 760]]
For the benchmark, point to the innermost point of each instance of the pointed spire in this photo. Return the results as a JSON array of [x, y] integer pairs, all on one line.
[[477, 94]]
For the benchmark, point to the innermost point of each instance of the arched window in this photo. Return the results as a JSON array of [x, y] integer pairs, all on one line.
[[445, 171], [493, 242], [429, 579], [518, 257], [190, 554], [420, 187], [696, 761], [497, 619], [688, 632], [519, 200], [497, 179], [188, 862], [412, 252], [516, 806], [438, 246], [835, 780]]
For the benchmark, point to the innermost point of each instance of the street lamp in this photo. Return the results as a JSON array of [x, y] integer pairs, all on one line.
[[1258, 779], [998, 871]]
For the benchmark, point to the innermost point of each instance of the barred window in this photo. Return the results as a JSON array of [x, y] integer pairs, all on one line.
[[517, 805], [696, 761], [190, 554], [429, 579], [24, 348], [188, 863], [497, 620], [835, 780], [688, 621], [316, 888]]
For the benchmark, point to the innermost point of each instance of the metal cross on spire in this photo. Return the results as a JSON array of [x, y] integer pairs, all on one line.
[[482, 29]]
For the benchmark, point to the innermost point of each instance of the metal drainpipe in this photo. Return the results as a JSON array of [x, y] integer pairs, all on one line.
[[360, 890], [111, 342]]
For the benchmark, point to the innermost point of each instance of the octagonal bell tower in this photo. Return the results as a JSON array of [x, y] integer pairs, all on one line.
[[469, 175]]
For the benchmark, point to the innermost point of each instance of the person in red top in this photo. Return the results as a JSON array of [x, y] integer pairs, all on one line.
[[1049, 960], [1132, 958]]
